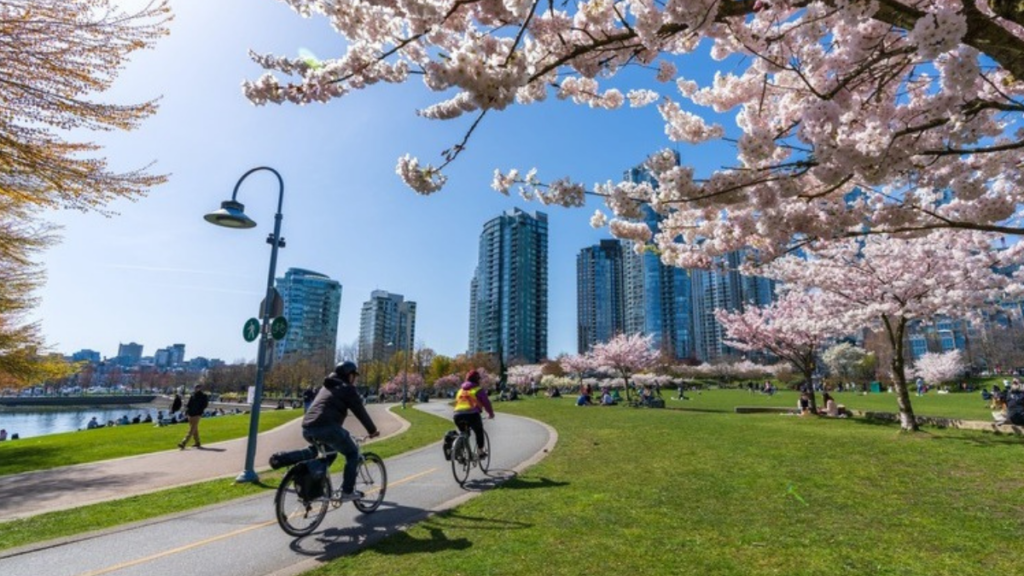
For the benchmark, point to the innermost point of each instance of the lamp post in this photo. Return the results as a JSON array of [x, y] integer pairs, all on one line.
[[232, 215]]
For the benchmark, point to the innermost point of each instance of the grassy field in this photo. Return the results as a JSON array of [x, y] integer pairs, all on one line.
[[962, 405], [638, 491], [425, 430], [54, 450]]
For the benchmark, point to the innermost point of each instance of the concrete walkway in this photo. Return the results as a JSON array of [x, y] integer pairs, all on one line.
[[23, 495]]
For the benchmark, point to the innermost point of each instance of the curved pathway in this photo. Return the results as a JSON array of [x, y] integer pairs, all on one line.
[[82, 484], [242, 538]]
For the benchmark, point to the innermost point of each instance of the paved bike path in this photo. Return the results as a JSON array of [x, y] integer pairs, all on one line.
[[241, 538], [32, 493]]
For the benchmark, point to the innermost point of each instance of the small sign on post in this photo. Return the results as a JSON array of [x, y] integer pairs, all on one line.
[[251, 330], [278, 328]]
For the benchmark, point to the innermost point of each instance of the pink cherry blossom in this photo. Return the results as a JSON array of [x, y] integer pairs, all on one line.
[[850, 116]]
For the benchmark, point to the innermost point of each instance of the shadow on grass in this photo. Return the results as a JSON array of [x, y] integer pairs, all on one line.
[[704, 410], [18, 459], [524, 484]]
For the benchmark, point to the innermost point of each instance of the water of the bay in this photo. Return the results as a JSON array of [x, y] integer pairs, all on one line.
[[28, 422]]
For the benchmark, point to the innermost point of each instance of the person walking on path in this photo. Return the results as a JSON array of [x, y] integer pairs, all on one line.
[[469, 402], [323, 422], [194, 410]]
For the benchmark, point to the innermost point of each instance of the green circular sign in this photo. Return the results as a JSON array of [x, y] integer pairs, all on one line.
[[251, 330], [278, 328]]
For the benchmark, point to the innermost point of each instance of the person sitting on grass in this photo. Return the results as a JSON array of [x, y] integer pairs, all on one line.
[[831, 408], [607, 399], [584, 397], [804, 404]]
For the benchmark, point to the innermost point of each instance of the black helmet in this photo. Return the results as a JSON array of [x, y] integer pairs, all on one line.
[[345, 369]]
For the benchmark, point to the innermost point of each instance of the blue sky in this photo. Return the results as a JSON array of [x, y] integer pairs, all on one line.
[[158, 274]]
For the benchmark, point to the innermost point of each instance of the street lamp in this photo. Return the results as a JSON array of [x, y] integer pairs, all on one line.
[[232, 215]]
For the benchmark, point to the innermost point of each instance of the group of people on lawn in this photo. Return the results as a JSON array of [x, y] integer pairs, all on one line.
[[829, 407], [1007, 404]]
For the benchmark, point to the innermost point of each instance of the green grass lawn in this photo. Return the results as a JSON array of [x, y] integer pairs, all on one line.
[[425, 430], [968, 406], [639, 491], [54, 450]]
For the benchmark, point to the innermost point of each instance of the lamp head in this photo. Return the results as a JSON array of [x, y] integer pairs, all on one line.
[[230, 215]]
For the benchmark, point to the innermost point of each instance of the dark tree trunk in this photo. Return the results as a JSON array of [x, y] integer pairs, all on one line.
[[907, 420]]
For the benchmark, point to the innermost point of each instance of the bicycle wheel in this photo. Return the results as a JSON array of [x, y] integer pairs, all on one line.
[[297, 516], [485, 461], [372, 481], [461, 459]]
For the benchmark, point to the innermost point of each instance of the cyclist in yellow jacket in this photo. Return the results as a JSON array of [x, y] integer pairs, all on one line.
[[470, 401]]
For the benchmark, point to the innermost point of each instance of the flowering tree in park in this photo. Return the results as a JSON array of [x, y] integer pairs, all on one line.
[[448, 383], [410, 381], [908, 103], [55, 55], [626, 355], [846, 361], [792, 328], [938, 368], [525, 374], [578, 365], [891, 282]]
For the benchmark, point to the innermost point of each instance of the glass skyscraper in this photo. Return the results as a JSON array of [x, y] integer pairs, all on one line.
[[724, 288], [600, 301], [312, 304], [509, 290], [387, 324], [656, 296]]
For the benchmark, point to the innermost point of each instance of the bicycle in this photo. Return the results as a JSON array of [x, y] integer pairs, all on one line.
[[465, 455], [305, 494]]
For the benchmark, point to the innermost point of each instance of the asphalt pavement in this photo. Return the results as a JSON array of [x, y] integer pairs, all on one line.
[[23, 495], [242, 537]]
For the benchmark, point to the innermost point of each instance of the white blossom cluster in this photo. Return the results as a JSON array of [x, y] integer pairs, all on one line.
[[845, 121]]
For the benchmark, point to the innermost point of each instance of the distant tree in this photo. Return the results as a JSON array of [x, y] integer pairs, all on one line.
[[792, 328], [577, 366], [626, 355], [524, 374], [848, 362], [938, 368], [54, 55]]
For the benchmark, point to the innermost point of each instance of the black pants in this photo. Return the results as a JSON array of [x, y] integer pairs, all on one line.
[[475, 423]]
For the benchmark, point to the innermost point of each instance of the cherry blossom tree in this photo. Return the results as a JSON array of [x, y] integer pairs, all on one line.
[[524, 374], [938, 368], [578, 365], [404, 381], [887, 281], [792, 328], [626, 355], [447, 383], [851, 116], [846, 361]]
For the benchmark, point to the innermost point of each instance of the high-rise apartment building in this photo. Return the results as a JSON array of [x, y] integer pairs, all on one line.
[[656, 297], [129, 354], [724, 288], [600, 302], [509, 290], [312, 304], [387, 324]]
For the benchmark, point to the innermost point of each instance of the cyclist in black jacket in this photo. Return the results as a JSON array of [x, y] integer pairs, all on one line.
[[326, 414]]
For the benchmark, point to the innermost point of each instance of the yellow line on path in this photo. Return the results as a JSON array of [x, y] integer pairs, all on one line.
[[213, 539]]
